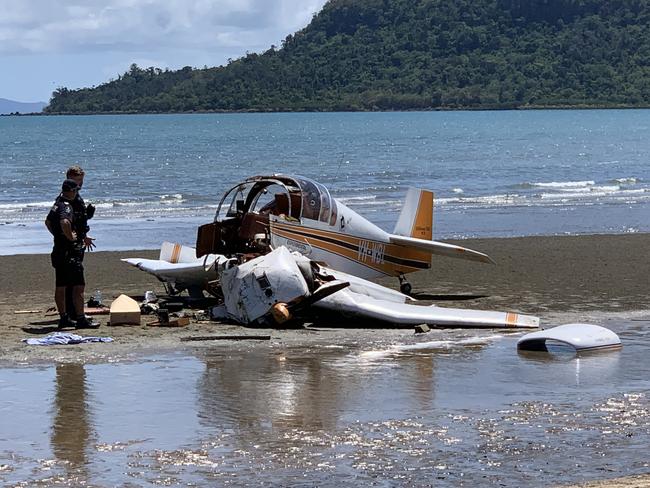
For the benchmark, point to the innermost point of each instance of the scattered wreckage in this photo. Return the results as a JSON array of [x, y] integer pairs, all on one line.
[[281, 247], [274, 288]]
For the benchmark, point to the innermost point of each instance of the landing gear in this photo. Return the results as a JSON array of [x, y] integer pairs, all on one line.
[[404, 286]]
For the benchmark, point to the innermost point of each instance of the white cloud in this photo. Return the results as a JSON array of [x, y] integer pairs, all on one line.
[[147, 26], [78, 43]]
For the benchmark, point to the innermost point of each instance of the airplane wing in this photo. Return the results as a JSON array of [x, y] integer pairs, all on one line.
[[404, 314], [185, 275], [441, 248]]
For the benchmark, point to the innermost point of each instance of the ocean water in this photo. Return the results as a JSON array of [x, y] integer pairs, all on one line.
[[505, 173]]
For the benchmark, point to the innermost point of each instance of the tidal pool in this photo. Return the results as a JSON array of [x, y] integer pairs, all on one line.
[[386, 408]]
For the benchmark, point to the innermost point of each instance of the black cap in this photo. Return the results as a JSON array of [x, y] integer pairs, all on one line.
[[69, 185]]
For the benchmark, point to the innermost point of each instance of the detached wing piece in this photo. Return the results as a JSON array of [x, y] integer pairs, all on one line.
[[366, 307]]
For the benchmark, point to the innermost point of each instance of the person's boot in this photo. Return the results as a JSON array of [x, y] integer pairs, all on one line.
[[65, 322], [84, 323]]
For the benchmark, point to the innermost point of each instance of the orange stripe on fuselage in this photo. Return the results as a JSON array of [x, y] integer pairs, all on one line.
[[422, 227], [386, 258]]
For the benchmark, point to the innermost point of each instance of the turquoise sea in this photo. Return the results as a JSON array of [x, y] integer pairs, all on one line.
[[494, 173]]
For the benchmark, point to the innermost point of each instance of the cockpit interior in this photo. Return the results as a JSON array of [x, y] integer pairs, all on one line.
[[241, 224]]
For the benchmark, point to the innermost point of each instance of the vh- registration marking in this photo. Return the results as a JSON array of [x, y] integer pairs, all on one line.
[[371, 252]]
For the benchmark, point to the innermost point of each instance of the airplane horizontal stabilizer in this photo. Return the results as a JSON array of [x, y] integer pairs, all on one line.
[[441, 248]]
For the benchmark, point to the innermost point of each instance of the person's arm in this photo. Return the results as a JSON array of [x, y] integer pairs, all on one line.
[[49, 226], [66, 227]]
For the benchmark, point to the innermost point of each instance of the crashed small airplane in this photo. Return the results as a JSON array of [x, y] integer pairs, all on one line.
[[281, 244], [266, 212]]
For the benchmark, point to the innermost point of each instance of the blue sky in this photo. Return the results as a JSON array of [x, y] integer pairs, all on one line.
[[45, 44]]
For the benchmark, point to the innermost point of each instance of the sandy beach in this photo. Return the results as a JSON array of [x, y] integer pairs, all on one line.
[[560, 279]]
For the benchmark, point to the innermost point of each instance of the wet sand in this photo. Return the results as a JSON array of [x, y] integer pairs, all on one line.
[[561, 279], [642, 481]]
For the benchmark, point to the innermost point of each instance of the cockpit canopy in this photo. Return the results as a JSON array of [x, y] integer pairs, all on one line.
[[289, 197]]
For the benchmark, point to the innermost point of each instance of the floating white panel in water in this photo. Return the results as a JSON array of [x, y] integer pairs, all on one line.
[[582, 337]]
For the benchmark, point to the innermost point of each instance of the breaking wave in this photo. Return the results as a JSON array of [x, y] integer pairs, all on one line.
[[625, 181], [564, 184], [555, 184]]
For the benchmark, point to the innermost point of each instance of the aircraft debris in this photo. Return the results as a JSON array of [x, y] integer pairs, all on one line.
[[124, 310], [582, 337]]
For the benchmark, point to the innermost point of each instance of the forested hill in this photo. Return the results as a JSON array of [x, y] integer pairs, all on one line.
[[413, 54]]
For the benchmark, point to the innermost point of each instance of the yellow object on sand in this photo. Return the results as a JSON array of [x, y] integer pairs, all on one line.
[[125, 310]]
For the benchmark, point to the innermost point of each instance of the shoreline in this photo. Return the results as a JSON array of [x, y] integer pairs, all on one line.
[[561, 279], [351, 110]]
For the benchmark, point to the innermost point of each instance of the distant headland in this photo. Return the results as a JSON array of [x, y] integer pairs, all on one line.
[[8, 107], [358, 55]]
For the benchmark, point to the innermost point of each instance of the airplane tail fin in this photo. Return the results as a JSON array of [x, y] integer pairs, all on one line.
[[416, 218]]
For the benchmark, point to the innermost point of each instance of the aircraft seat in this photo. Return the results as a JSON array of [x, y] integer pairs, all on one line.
[[281, 204]]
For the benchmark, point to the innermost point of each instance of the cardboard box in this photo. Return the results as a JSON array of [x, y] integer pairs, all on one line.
[[124, 310]]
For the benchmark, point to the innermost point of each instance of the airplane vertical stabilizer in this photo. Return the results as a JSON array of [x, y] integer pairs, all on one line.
[[416, 218]]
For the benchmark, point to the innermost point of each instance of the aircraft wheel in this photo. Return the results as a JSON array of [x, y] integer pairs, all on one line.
[[405, 288]]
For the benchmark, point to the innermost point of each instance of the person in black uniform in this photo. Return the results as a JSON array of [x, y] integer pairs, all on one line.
[[82, 213], [67, 255]]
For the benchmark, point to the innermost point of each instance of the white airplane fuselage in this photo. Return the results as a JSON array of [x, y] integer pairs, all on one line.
[[352, 245]]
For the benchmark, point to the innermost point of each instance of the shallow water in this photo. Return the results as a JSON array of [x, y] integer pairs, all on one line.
[[383, 407]]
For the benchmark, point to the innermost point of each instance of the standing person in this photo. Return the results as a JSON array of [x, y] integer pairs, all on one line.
[[82, 214], [67, 255]]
